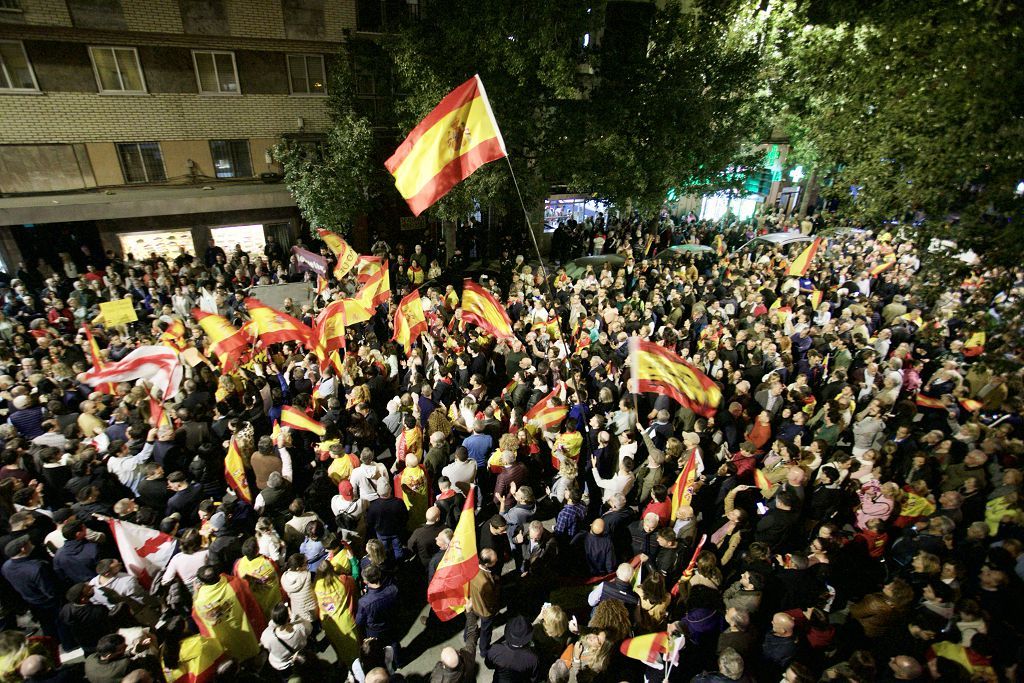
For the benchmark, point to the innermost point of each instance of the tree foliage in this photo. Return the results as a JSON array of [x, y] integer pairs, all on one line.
[[334, 180], [917, 105]]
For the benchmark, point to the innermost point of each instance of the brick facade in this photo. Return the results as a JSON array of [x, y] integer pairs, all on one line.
[[65, 117]]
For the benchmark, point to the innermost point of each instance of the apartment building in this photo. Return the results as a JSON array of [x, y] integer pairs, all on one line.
[[145, 125]]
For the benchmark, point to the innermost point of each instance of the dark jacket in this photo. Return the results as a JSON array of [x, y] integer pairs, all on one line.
[[513, 664], [87, 623], [386, 517], [75, 561], [423, 541], [153, 494], [375, 615], [600, 554], [34, 580]]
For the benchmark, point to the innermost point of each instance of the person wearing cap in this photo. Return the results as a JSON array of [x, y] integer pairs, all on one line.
[[347, 509], [512, 658], [35, 581]]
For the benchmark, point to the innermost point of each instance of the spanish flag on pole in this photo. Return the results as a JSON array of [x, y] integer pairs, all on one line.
[[802, 263], [158, 416], [234, 472], [459, 136], [682, 489], [274, 327], [550, 410], [645, 648], [409, 320], [346, 255], [227, 343], [885, 265], [297, 419], [657, 370], [450, 585], [376, 287], [336, 317], [484, 311]]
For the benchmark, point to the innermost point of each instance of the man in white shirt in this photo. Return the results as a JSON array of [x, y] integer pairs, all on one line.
[[364, 477], [462, 470], [127, 467], [112, 586]]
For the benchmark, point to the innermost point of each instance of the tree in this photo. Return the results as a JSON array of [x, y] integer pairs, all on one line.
[[915, 106], [334, 180], [644, 106]]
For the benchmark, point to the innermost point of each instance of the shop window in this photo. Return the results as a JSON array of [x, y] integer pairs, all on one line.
[[231, 158], [141, 162]]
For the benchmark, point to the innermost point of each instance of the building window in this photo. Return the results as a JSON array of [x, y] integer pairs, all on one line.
[[102, 14], [306, 74], [216, 72], [141, 162], [15, 71], [231, 158], [117, 69], [10, 5], [205, 17]]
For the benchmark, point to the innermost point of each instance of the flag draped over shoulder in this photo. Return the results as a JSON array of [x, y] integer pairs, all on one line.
[[346, 255], [802, 263], [158, 365], [483, 310], [274, 327], [228, 613], [547, 412], [198, 659], [297, 419], [682, 489], [144, 551], [455, 139], [409, 320], [658, 370], [234, 472], [450, 585], [226, 342]]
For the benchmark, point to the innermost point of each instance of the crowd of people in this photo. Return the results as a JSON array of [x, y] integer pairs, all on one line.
[[855, 514]]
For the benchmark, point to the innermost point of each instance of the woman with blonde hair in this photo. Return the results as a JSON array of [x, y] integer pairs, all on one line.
[[552, 636]]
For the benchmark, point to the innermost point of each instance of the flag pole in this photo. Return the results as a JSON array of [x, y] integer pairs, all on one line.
[[536, 249]]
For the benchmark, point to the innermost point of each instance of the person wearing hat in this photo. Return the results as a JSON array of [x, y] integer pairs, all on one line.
[[35, 581], [513, 659]]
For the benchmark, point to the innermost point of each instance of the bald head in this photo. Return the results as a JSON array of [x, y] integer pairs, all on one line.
[[378, 675], [450, 658], [782, 625], [433, 514], [33, 665], [488, 557], [906, 668], [597, 527]]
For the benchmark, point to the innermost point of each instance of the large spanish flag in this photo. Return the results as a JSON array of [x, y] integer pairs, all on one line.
[[274, 327], [409, 320], [228, 613], [297, 419], [234, 472], [198, 658], [483, 310], [682, 489], [645, 648], [550, 410], [335, 318], [226, 342], [450, 585], [346, 255], [459, 136], [802, 263], [657, 370]]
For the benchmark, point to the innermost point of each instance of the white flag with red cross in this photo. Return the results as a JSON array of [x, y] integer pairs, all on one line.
[[144, 551]]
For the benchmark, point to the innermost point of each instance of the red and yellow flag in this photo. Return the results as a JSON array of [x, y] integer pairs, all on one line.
[[297, 419], [885, 265], [816, 298], [97, 362], [549, 411], [929, 402], [409, 320], [459, 136], [198, 659], [158, 416], [450, 585], [335, 319], [346, 255], [174, 335], [376, 280], [802, 263], [975, 344], [228, 613], [483, 310], [657, 370], [682, 489], [234, 472], [761, 481], [227, 343], [645, 648], [970, 405], [274, 327]]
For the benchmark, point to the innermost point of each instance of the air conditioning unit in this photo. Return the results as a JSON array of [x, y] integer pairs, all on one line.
[[270, 177]]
